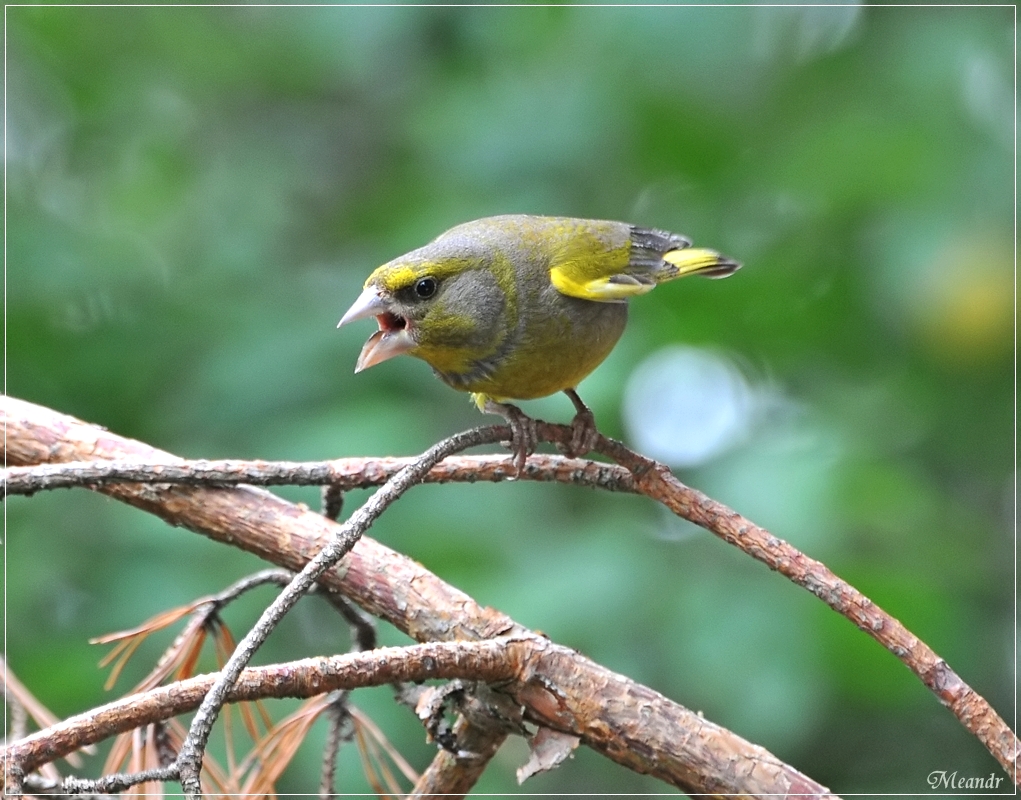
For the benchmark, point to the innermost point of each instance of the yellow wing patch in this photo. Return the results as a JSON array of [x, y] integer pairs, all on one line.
[[608, 289], [591, 263]]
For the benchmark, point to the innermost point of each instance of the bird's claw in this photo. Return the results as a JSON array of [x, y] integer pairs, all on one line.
[[524, 438], [584, 435], [524, 432]]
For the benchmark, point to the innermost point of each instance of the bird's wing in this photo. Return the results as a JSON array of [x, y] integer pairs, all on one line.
[[597, 266], [569, 280], [605, 269]]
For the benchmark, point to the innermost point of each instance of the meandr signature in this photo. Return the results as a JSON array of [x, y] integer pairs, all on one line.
[[941, 779]]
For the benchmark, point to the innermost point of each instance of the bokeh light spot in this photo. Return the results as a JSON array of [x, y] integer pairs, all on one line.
[[685, 405]]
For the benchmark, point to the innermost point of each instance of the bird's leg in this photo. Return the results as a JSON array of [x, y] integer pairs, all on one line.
[[524, 436], [583, 428]]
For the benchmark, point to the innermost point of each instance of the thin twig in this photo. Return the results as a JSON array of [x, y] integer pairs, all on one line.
[[340, 730], [362, 625], [277, 577], [343, 474], [333, 501], [110, 784], [39, 786], [204, 615], [190, 756]]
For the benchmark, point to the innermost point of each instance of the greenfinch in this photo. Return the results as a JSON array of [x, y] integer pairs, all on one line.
[[517, 307]]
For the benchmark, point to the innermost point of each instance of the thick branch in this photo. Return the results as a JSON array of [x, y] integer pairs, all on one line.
[[304, 678], [544, 677], [450, 774], [383, 582]]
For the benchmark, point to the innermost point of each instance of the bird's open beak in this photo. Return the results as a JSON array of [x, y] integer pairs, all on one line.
[[392, 338]]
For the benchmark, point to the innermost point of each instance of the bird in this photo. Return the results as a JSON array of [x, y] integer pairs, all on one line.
[[519, 306]]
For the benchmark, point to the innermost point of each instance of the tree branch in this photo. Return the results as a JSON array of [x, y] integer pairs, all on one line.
[[646, 730], [450, 774], [377, 578], [189, 759], [384, 583], [974, 712], [343, 473]]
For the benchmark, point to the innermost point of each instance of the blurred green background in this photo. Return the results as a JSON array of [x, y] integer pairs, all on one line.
[[194, 196]]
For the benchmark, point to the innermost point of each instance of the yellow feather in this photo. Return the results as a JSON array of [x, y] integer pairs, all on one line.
[[692, 260], [480, 400], [396, 276], [613, 288]]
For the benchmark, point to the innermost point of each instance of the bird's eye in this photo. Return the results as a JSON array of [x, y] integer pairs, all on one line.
[[425, 287]]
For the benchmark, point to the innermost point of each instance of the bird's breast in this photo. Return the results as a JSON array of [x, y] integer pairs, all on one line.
[[550, 352]]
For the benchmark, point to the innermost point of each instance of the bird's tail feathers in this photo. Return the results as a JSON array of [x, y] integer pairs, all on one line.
[[695, 261]]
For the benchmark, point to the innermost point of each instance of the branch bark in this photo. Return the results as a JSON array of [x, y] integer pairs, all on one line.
[[594, 703], [62, 438], [343, 473], [633, 724], [345, 536]]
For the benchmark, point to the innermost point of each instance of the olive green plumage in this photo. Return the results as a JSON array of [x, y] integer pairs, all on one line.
[[518, 307]]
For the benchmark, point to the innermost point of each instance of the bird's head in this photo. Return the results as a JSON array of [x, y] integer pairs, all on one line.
[[441, 307]]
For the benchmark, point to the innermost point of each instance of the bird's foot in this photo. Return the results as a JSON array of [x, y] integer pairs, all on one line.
[[584, 434], [524, 433]]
